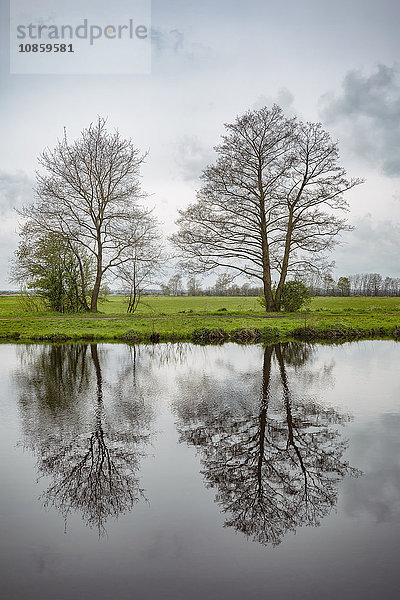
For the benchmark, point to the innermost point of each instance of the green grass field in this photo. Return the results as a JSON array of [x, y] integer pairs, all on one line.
[[190, 318]]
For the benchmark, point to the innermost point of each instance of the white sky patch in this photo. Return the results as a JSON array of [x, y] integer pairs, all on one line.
[[16, 189], [8, 245]]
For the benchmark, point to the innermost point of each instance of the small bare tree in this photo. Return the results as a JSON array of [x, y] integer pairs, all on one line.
[[88, 196], [194, 287], [268, 205], [222, 284], [175, 285], [146, 260]]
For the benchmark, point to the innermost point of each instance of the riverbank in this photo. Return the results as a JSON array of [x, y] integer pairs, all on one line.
[[205, 320]]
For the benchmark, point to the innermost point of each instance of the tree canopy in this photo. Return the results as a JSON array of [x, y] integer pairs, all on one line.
[[269, 206], [48, 265], [87, 197]]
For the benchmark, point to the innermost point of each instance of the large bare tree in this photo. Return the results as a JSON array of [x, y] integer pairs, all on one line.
[[269, 205], [87, 195]]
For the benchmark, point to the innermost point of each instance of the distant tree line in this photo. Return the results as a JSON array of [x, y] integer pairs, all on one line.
[[360, 284], [224, 286]]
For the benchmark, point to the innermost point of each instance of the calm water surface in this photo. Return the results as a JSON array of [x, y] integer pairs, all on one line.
[[188, 472]]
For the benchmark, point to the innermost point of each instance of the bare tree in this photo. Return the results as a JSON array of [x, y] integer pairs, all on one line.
[[343, 285], [146, 259], [175, 285], [222, 284], [391, 286], [267, 206], [194, 287], [88, 196], [165, 289], [375, 283], [355, 283]]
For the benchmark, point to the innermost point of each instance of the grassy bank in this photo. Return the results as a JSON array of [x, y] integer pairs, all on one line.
[[204, 319]]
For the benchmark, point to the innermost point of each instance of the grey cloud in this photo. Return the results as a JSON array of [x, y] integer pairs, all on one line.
[[15, 191], [163, 40], [371, 248], [178, 39], [368, 108], [192, 157], [174, 43], [284, 98]]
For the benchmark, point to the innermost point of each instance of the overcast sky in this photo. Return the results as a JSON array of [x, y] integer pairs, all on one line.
[[334, 62]]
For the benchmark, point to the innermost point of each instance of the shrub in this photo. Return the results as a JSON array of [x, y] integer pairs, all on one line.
[[295, 294]]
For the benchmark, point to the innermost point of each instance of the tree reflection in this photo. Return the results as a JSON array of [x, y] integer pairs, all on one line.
[[90, 450], [275, 465]]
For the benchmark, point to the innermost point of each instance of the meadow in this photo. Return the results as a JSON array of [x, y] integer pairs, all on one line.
[[204, 319]]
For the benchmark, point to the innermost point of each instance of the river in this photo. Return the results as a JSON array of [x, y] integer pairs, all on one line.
[[178, 471]]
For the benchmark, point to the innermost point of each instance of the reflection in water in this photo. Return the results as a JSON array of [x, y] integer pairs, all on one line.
[[376, 497], [89, 448], [276, 463], [273, 454], [259, 421]]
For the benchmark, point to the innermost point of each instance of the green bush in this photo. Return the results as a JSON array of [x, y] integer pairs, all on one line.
[[295, 294]]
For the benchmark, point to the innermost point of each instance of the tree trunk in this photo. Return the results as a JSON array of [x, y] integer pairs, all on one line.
[[134, 295], [285, 263], [267, 286], [95, 294], [134, 298], [289, 419], [263, 413], [99, 274], [267, 282], [83, 285]]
